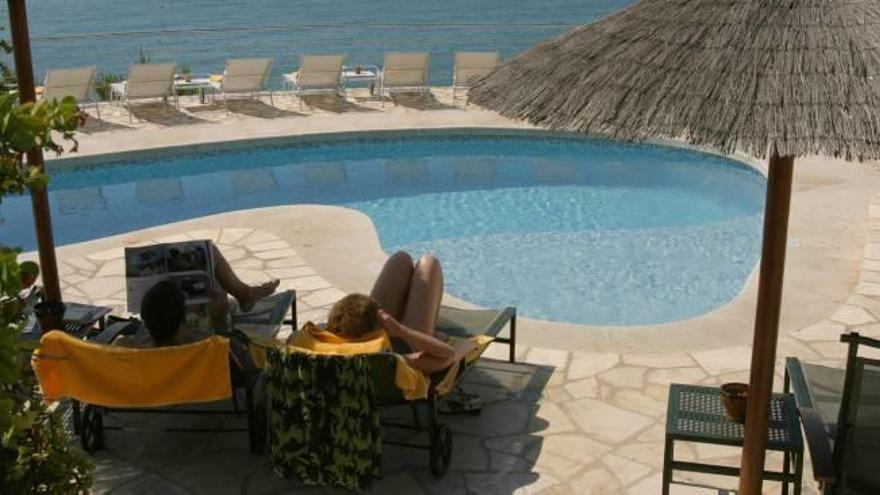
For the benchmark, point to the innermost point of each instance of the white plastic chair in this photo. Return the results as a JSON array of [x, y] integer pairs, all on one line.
[[77, 83], [245, 75], [470, 66], [318, 73], [404, 71], [147, 81]]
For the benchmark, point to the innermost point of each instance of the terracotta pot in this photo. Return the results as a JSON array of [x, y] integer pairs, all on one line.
[[734, 397]]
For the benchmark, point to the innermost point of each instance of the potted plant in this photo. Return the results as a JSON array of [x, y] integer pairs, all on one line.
[[186, 71], [35, 454]]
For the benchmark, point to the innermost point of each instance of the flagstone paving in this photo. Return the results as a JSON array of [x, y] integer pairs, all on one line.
[[558, 422]]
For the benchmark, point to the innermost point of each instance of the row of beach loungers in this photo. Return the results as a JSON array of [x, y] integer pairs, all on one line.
[[316, 73]]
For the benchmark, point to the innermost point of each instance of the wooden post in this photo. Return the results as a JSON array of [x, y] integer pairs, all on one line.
[[766, 322], [24, 73]]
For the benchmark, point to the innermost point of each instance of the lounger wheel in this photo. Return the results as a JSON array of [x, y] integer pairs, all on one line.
[[92, 429], [441, 449]]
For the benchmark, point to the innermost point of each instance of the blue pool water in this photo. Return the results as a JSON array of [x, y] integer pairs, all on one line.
[[203, 33], [565, 228]]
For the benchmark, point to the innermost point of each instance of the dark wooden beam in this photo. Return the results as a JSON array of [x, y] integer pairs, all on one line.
[[24, 74], [776, 210]]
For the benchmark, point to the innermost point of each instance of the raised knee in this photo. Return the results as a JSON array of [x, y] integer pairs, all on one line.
[[429, 263], [401, 258]]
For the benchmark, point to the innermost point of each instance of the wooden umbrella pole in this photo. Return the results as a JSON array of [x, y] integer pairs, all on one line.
[[776, 210], [24, 73]]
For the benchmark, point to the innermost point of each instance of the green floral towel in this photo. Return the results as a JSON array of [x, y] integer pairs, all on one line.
[[323, 419]]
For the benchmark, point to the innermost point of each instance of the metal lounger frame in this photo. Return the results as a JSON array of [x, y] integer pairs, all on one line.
[[439, 444]]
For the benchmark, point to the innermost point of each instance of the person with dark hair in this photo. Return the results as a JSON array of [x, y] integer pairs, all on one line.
[[163, 310]]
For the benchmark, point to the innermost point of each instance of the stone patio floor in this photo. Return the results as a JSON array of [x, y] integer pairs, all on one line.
[[559, 421]]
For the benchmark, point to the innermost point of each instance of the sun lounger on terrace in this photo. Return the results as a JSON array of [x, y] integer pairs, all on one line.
[[317, 73], [125, 380], [77, 83], [112, 380], [481, 326], [404, 71], [470, 66], [840, 412], [244, 75], [146, 81]]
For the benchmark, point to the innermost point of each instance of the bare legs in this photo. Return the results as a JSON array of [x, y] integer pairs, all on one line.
[[411, 293], [245, 294], [392, 285]]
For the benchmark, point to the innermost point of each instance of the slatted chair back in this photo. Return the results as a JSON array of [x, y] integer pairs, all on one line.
[[472, 65], [320, 71], [150, 81], [77, 83], [246, 74], [405, 69]]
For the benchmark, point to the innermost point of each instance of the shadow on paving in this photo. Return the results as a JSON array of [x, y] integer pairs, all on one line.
[[493, 452], [251, 108], [162, 114], [95, 125], [332, 104], [418, 101]]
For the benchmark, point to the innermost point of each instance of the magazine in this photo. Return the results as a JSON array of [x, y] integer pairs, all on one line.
[[188, 264]]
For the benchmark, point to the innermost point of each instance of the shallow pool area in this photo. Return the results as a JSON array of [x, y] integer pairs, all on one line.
[[565, 228]]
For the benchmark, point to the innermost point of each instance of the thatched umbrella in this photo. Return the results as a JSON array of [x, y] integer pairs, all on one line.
[[766, 77]]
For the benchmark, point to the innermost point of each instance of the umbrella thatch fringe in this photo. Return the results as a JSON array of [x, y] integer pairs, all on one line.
[[744, 75]]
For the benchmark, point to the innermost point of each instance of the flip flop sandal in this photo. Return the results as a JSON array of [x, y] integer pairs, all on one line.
[[460, 402]]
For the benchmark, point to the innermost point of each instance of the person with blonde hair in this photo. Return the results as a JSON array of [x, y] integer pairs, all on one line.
[[400, 312]]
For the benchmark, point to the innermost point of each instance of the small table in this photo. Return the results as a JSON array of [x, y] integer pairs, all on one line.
[[79, 321], [200, 83], [695, 414], [369, 74]]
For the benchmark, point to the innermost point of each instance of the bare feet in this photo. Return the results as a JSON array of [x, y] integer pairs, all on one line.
[[255, 293]]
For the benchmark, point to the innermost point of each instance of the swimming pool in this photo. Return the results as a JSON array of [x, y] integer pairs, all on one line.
[[565, 228]]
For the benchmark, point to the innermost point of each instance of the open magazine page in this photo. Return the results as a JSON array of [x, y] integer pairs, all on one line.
[[144, 268], [190, 265]]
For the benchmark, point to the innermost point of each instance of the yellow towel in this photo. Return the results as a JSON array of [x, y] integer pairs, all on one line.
[[114, 376], [216, 78], [411, 382]]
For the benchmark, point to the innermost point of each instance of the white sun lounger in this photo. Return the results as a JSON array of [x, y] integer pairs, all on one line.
[[245, 75], [146, 81], [404, 71], [317, 73], [77, 83], [470, 66]]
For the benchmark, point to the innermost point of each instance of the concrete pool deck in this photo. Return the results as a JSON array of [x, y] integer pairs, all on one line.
[[592, 420]]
